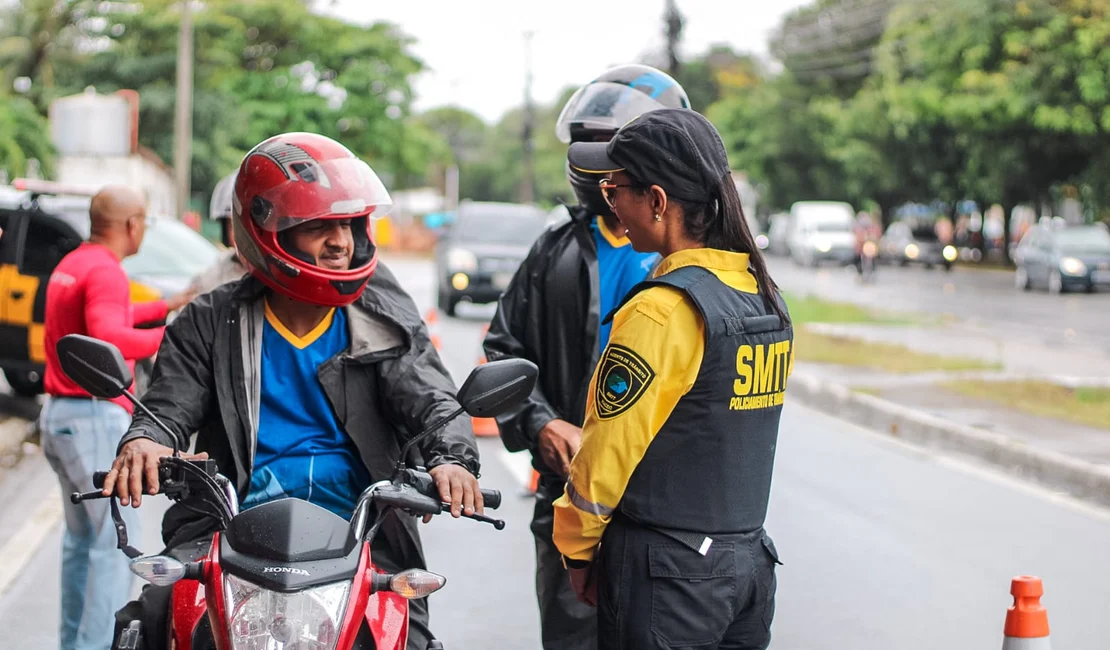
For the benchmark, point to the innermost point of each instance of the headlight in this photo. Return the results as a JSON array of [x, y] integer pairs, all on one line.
[[460, 259], [950, 253], [912, 251], [460, 281], [824, 246], [1072, 266], [260, 619]]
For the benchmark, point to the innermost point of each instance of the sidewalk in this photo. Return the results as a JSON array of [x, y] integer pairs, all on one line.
[[1059, 453]]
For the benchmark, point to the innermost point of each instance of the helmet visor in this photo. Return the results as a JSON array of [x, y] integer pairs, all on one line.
[[220, 207], [603, 106], [335, 189]]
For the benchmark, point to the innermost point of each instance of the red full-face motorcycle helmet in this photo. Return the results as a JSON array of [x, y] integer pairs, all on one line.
[[294, 178]]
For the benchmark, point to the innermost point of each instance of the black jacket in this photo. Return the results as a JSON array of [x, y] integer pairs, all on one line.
[[549, 315], [384, 389]]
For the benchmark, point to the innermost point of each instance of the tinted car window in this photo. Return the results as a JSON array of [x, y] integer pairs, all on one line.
[[46, 243], [519, 229], [1090, 240], [171, 248]]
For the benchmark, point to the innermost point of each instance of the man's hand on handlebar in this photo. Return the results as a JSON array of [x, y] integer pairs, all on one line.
[[138, 459], [458, 487]]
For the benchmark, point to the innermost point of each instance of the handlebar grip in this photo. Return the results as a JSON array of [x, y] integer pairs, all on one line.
[[98, 479], [491, 498]]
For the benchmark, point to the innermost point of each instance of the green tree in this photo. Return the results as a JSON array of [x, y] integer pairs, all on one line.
[[24, 135]]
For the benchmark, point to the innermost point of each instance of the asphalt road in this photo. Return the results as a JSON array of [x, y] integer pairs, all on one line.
[[885, 546], [980, 297]]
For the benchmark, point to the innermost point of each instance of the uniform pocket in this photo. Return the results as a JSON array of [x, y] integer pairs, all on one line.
[[769, 583], [693, 597]]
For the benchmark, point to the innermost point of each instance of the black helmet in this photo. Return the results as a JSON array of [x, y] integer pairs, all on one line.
[[598, 109]]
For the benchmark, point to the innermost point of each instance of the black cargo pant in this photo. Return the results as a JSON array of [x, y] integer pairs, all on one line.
[[654, 592], [565, 623], [152, 606]]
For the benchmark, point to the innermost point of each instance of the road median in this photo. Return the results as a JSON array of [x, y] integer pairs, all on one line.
[[1049, 468]]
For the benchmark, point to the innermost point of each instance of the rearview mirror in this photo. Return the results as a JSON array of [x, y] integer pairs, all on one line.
[[495, 387], [95, 365]]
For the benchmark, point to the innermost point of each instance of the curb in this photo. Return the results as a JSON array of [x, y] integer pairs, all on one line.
[[1051, 469], [14, 433]]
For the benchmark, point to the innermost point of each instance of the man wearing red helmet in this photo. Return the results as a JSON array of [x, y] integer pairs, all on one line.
[[304, 378]]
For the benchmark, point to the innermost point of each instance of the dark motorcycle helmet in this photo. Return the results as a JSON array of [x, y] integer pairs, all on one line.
[[598, 109]]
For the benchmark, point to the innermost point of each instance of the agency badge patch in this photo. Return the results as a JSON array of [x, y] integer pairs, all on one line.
[[623, 379]]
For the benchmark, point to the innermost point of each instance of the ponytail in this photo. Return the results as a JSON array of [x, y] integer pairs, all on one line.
[[721, 225]]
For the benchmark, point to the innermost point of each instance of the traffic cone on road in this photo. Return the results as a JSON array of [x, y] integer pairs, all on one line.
[[1026, 620], [431, 319], [484, 426]]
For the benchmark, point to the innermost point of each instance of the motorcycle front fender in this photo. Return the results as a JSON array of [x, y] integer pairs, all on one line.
[[387, 614]]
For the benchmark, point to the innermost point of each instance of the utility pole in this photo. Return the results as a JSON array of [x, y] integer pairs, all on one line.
[[528, 183], [673, 21], [183, 122]]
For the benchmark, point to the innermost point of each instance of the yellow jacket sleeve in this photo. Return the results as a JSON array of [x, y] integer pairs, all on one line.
[[652, 360]]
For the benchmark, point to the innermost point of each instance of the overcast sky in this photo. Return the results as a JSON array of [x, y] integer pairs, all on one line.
[[475, 49]]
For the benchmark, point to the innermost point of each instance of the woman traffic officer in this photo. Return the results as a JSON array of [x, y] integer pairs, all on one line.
[[662, 520]]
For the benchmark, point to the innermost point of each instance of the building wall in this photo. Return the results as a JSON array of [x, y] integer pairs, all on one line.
[[134, 170]]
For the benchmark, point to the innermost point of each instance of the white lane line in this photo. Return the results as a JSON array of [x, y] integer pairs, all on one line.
[[978, 469], [519, 465], [27, 541]]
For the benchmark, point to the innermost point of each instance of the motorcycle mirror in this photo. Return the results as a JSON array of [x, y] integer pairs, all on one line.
[[495, 387], [158, 570], [94, 365]]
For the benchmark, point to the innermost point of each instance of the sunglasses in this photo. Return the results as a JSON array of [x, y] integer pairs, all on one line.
[[609, 190]]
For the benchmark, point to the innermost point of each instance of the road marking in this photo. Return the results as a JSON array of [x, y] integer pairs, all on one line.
[[519, 464], [978, 469], [27, 541]]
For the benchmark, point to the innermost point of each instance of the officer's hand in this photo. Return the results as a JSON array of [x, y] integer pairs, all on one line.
[[137, 459], [559, 441], [584, 583], [458, 487]]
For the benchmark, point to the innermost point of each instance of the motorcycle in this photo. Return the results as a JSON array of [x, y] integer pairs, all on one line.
[[868, 261], [287, 574]]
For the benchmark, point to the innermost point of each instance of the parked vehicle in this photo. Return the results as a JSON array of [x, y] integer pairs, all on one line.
[[480, 252], [40, 228], [912, 242], [822, 231], [1063, 258]]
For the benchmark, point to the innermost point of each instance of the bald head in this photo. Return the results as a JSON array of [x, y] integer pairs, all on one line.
[[117, 213]]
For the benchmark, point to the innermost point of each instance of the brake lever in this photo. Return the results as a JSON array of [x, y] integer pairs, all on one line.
[[77, 497], [499, 524]]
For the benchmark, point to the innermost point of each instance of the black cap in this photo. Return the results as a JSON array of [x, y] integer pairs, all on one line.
[[675, 148]]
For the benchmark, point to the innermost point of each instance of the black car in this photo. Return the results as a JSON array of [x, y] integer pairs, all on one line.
[[478, 255], [1062, 259], [909, 242]]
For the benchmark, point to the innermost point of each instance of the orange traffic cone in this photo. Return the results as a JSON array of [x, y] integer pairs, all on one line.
[[1026, 621], [431, 319], [484, 426]]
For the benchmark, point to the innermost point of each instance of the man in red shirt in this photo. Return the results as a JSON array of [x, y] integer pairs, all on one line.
[[90, 294]]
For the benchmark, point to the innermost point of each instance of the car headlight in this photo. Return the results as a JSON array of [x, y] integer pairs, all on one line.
[[1073, 266], [260, 619], [824, 246], [460, 259], [912, 251], [950, 253]]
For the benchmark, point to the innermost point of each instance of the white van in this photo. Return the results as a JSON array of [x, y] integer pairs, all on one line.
[[822, 231]]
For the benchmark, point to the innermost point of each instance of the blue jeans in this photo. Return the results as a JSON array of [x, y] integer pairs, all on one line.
[[79, 437]]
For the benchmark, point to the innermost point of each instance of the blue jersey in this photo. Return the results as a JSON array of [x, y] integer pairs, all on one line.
[[302, 451], [619, 268]]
